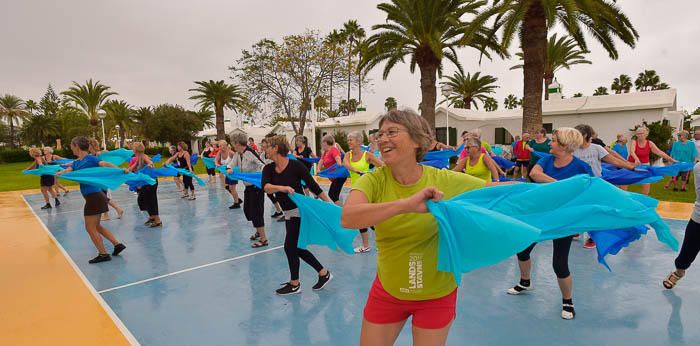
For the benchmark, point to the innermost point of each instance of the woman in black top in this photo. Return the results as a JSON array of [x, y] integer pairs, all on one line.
[[302, 151], [183, 160], [282, 177]]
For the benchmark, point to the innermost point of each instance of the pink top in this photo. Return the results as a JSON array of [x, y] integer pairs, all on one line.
[[328, 157]]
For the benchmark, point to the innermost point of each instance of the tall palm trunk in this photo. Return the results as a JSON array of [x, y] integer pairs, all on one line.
[[534, 51], [12, 133], [220, 133], [122, 135], [428, 78], [467, 102], [349, 70], [548, 78], [330, 101], [359, 82]]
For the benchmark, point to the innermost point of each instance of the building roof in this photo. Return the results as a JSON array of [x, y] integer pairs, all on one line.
[[359, 118]]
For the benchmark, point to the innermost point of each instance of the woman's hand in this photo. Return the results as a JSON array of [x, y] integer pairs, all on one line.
[[416, 203], [287, 189]]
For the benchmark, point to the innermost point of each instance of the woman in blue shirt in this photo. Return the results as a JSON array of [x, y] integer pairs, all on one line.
[[95, 200], [682, 150], [561, 165]]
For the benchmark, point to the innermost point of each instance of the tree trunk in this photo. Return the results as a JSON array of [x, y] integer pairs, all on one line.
[[359, 82], [12, 133], [122, 134], [330, 101], [428, 78], [467, 102], [220, 131], [349, 70], [534, 44]]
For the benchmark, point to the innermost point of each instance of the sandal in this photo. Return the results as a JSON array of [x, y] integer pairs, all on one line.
[[672, 279], [255, 236], [259, 243]]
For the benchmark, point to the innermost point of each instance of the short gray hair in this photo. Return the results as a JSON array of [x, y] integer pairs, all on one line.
[[418, 128], [328, 139], [240, 139], [356, 135]]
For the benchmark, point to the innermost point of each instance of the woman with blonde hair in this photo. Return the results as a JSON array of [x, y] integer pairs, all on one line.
[[50, 158], [223, 158], [393, 199], [357, 162], [182, 156], [46, 182], [560, 165], [640, 152], [148, 194]]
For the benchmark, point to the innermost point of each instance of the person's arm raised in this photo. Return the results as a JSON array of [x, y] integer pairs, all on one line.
[[359, 213]]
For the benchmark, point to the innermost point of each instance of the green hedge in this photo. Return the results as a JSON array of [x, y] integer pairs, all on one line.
[[21, 155], [163, 151]]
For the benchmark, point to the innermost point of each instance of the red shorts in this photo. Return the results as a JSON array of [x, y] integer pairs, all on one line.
[[383, 308]]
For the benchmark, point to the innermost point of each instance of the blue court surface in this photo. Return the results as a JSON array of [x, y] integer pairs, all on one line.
[[196, 281]]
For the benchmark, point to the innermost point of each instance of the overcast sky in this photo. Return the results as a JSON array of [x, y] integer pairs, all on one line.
[[150, 51]]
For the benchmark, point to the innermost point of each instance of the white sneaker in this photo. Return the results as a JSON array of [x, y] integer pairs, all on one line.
[[568, 315], [362, 249], [518, 289]]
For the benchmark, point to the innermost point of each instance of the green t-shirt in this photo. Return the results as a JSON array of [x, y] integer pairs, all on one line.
[[486, 146], [541, 147], [408, 243]]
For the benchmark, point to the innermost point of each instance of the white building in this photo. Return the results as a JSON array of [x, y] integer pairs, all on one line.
[[257, 133], [608, 115]]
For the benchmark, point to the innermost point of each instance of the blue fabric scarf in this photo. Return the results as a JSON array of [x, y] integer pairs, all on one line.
[[117, 156], [254, 178], [187, 173]]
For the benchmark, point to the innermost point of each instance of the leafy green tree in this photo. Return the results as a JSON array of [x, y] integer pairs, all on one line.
[[562, 52], [31, 106], [390, 103], [511, 102], [320, 104], [425, 32], [621, 84], [50, 102], [13, 111], [490, 104], [71, 122], [89, 98], [531, 19], [599, 91], [40, 129], [470, 88], [218, 95], [333, 41], [172, 123], [122, 114]]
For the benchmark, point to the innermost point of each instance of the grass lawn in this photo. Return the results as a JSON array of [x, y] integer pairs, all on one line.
[[11, 178]]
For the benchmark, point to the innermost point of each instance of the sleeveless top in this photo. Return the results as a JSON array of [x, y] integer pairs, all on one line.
[[642, 153], [361, 165], [479, 170], [182, 162]]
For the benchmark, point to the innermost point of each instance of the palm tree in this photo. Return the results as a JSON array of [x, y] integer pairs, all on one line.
[[649, 80], [89, 98], [353, 33], [511, 102], [531, 19], [621, 84], [31, 106], [470, 88], [390, 103], [12, 109], [425, 32], [562, 52], [601, 90], [490, 104], [141, 117], [204, 115], [320, 103], [122, 114], [218, 95], [334, 39], [40, 128], [348, 106]]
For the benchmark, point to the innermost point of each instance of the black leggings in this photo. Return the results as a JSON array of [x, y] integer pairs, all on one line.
[[691, 246], [336, 188], [293, 252], [187, 182], [560, 256], [211, 172], [148, 199]]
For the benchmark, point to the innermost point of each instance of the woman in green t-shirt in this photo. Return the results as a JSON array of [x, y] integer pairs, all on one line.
[[540, 144], [393, 199]]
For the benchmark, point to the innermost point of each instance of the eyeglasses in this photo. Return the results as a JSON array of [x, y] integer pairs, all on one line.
[[389, 133]]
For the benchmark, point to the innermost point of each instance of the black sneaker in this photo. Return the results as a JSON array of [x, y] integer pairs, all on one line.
[[288, 288], [100, 258], [57, 202], [235, 206], [322, 281], [46, 206], [276, 214], [281, 219], [118, 249]]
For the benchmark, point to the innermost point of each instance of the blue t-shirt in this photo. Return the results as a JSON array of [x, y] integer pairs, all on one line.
[[621, 149], [575, 167], [684, 152], [88, 161]]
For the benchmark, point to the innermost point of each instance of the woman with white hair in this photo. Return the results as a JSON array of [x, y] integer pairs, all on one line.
[[476, 163], [357, 162], [683, 151], [247, 160], [641, 150], [560, 165]]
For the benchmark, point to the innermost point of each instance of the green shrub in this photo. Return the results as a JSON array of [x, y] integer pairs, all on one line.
[[163, 151], [14, 155]]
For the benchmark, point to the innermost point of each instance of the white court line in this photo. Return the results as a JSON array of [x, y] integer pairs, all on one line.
[[190, 269], [127, 334]]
